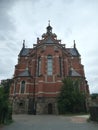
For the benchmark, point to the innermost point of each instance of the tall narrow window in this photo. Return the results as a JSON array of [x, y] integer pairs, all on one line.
[[22, 86], [39, 66], [49, 65], [60, 65]]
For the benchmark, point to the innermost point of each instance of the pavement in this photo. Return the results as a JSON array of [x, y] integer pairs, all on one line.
[[50, 122]]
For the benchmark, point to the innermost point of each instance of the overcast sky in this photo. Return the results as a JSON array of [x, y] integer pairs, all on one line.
[[71, 20]]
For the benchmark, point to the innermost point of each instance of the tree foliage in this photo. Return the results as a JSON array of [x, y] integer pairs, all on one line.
[[5, 107], [94, 95], [70, 99]]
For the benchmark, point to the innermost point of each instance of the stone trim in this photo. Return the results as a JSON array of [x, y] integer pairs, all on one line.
[[40, 92]]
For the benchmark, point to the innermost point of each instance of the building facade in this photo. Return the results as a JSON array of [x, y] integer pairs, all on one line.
[[39, 72]]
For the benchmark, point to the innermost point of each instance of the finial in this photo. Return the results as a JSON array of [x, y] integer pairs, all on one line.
[[23, 43], [74, 43], [48, 22], [49, 28]]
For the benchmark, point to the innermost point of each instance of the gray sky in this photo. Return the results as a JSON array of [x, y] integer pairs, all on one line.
[[71, 20]]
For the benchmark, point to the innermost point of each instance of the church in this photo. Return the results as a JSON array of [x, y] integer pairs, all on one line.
[[39, 72]]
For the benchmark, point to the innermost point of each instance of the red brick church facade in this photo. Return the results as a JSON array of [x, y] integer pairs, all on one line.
[[38, 75]]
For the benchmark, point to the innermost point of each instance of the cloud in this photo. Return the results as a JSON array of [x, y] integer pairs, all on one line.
[[5, 22]]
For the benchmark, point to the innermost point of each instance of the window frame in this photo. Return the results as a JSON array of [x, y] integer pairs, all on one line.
[[23, 85], [49, 65]]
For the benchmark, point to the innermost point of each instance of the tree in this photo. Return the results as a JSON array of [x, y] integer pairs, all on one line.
[[5, 107], [70, 99], [94, 95]]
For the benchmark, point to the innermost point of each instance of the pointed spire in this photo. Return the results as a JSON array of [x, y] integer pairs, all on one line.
[[74, 43], [23, 43]]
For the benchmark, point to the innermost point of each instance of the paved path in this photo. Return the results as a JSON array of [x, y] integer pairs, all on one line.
[[50, 122]]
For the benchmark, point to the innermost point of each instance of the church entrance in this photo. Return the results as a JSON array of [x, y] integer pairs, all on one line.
[[50, 108]]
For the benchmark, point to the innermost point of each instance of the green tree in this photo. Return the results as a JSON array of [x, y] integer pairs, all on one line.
[[70, 99], [5, 107], [94, 95]]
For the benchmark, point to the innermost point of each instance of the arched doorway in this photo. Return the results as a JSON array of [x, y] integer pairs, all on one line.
[[50, 108]]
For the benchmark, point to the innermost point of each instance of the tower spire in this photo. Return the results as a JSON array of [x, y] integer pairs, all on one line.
[[23, 43], [74, 43]]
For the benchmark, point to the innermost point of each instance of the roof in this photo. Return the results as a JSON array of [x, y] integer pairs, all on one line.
[[24, 52], [73, 51], [73, 73], [25, 73]]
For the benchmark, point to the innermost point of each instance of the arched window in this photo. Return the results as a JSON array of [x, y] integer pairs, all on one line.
[[39, 66], [49, 65], [22, 86]]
